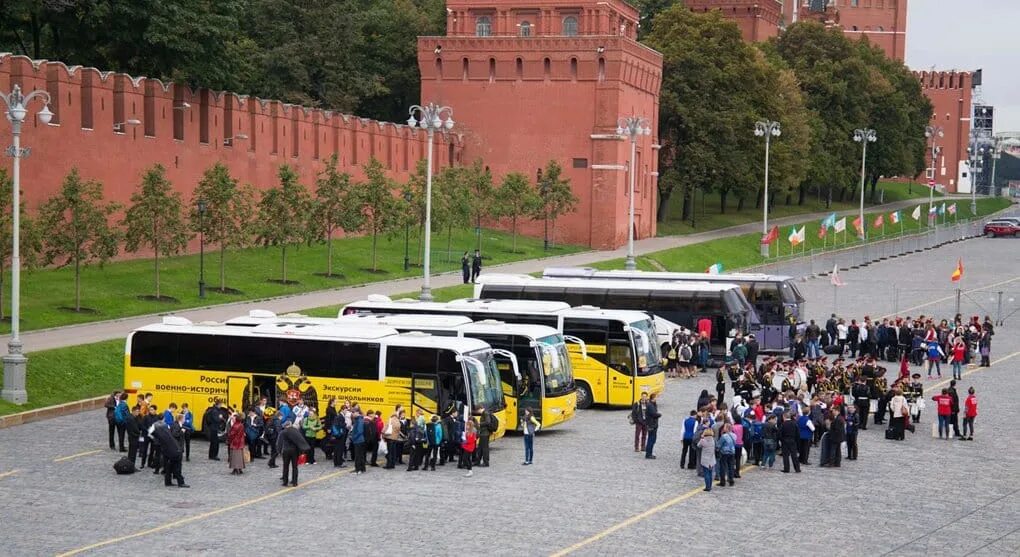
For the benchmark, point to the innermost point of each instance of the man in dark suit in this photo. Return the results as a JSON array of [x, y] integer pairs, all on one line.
[[171, 452], [291, 443], [652, 416], [133, 425], [211, 425], [789, 436], [110, 405]]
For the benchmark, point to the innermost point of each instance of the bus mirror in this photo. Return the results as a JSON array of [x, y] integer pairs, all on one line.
[[579, 342], [510, 356]]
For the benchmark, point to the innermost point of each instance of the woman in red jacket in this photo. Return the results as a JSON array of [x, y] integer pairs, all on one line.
[[468, 447], [235, 444]]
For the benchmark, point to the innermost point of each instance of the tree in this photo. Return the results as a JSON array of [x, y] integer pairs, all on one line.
[[478, 180], [30, 239], [555, 196], [76, 221], [516, 198], [375, 198], [155, 219], [229, 210], [334, 208], [283, 216], [451, 201]]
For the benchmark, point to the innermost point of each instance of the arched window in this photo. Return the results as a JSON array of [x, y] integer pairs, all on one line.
[[602, 69], [570, 26], [492, 70], [854, 28], [880, 28], [464, 69], [525, 28], [483, 26], [520, 68], [573, 69], [439, 68], [547, 67]]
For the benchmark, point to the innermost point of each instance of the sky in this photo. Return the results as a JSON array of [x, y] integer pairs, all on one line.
[[967, 35]]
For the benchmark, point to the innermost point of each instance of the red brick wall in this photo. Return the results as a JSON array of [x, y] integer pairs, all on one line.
[[950, 94], [758, 19]]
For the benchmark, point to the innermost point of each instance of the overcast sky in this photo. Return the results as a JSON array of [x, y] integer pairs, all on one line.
[[967, 35]]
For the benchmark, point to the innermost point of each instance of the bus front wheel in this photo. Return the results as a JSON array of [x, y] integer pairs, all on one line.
[[584, 396]]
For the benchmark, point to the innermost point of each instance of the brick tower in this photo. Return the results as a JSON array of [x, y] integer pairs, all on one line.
[[531, 81], [951, 95], [759, 20], [883, 22]]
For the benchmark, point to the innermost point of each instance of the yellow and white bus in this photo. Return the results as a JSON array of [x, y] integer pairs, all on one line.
[[622, 359], [545, 381], [377, 367]]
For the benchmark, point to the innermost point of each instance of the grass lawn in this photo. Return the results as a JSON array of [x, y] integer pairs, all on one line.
[[114, 290], [742, 251], [72, 373], [708, 216]]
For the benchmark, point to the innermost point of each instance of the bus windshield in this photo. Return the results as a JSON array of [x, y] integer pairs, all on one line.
[[647, 348], [486, 387], [555, 365]]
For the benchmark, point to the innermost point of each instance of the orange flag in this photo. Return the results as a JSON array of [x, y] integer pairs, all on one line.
[[879, 221], [821, 231], [958, 272]]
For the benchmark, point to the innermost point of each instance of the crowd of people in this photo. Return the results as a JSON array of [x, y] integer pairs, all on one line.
[[295, 433]]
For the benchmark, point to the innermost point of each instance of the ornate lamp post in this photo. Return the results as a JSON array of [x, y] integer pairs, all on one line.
[[632, 127], [767, 129], [864, 136], [201, 248], [933, 133], [431, 118]]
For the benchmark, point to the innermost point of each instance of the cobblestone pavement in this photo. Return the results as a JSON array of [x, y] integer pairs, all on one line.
[[588, 492]]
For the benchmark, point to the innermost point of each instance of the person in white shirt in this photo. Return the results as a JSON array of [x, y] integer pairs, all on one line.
[[841, 334]]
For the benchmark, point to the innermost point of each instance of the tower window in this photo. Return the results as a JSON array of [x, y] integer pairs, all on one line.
[[520, 68], [855, 3], [547, 67], [570, 26], [483, 26], [525, 28]]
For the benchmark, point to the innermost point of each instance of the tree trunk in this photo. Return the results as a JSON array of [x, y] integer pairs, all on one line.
[[155, 262], [478, 233], [513, 227], [283, 263], [329, 253], [758, 197], [789, 199], [687, 204], [223, 267], [77, 284], [375, 237], [722, 201], [802, 192], [2, 316], [663, 205], [740, 204], [449, 243]]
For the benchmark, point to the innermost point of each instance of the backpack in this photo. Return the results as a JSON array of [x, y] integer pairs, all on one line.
[[338, 428], [124, 466], [685, 352], [370, 432], [118, 414]]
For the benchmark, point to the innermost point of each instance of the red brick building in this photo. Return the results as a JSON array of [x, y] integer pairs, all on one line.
[[883, 22], [759, 20], [950, 95], [531, 81], [187, 132]]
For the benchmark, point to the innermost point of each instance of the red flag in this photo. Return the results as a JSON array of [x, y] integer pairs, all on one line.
[[858, 226], [822, 230], [771, 236], [958, 272], [879, 221]]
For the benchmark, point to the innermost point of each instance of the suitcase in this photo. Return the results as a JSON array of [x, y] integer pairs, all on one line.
[[890, 433], [124, 466], [831, 349], [892, 354]]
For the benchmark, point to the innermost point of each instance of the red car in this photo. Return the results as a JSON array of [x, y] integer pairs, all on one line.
[[1002, 228]]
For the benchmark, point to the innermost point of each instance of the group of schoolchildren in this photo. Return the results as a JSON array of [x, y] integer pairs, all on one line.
[[161, 439]]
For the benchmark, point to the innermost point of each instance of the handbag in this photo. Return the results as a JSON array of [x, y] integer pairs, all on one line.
[[247, 455], [389, 430]]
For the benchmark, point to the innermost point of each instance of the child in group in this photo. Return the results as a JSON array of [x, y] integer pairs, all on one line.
[[969, 413]]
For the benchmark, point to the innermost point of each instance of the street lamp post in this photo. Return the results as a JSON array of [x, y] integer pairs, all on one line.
[[632, 127], [768, 129], [933, 133], [408, 196], [543, 190], [996, 153], [431, 118], [201, 248], [15, 362], [864, 136], [974, 153]]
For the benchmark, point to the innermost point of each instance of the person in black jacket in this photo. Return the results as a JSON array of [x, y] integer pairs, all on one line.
[[171, 452], [110, 405], [212, 422], [476, 266], [752, 350], [134, 430], [652, 416], [789, 436], [465, 268], [954, 416], [837, 434], [290, 444]]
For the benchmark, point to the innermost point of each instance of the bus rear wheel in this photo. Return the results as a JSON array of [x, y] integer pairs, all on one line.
[[584, 397]]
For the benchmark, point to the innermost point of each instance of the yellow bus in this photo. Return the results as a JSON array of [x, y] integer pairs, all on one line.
[[379, 368], [544, 383], [622, 360]]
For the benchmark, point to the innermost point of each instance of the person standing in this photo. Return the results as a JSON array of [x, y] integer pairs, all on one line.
[[476, 266], [851, 433], [392, 436], [638, 417], [465, 268], [954, 416], [837, 434], [235, 445], [970, 412], [862, 400], [487, 425], [688, 453], [959, 353], [944, 403], [121, 415], [434, 432], [789, 436], [358, 440], [133, 426], [727, 447], [752, 350], [842, 334], [770, 434], [985, 347], [313, 432], [898, 413], [738, 439], [706, 447], [853, 337], [338, 433], [467, 447], [806, 429], [212, 423], [188, 425], [529, 425], [111, 424], [171, 453], [652, 424], [290, 444]]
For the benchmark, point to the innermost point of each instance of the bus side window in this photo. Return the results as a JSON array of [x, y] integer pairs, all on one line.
[[767, 303], [620, 356]]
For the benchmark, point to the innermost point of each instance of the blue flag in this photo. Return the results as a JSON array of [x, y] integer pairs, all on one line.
[[829, 221]]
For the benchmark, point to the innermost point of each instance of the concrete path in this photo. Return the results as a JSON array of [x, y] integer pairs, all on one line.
[[71, 335]]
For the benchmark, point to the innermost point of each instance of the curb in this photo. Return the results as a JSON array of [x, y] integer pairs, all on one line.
[[48, 412]]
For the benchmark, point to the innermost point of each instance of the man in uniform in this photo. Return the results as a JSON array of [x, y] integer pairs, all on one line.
[[862, 399], [171, 452], [212, 422], [487, 425], [789, 437], [290, 443]]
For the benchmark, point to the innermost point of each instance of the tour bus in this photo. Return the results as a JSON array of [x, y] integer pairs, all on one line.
[[379, 368], [775, 298], [545, 382], [682, 303], [622, 359]]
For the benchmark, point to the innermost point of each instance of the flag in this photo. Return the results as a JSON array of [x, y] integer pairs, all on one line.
[[951, 209], [771, 236], [879, 221], [894, 217], [916, 215], [829, 221], [796, 236], [839, 225], [822, 230], [942, 209], [834, 277], [715, 269], [859, 226], [958, 272]]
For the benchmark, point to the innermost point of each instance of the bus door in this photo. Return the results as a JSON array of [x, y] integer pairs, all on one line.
[[425, 393], [238, 392], [621, 382]]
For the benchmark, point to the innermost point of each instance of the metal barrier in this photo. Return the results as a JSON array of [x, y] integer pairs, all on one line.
[[821, 262]]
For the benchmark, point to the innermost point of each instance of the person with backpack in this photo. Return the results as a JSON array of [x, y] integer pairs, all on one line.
[[487, 425], [638, 417], [806, 430], [371, 423], [770, 442], [111, 405], [338, 436], [529, 425], [434, 440], [687, 453], [121, 415], [273, 427], [358, 440], [171, 454], [467, 447], [417, 438], [312, 428], [757, 436], [652, 416], [684, 357], [392, 435]]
